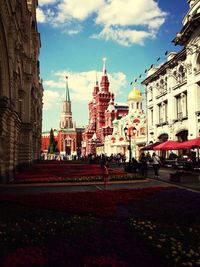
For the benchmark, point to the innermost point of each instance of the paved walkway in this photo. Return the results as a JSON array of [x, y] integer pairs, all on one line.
[[164, 175]]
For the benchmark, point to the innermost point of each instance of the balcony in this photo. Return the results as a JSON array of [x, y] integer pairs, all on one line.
[[164, 92]]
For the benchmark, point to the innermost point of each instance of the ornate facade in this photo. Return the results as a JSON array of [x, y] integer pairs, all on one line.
[[173, 89], [20, 87], [68, 136], [102, 112], [118, 142]]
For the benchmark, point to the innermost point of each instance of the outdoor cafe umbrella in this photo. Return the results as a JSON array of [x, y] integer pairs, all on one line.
[[167, 145], [150, 146], [193, 143]]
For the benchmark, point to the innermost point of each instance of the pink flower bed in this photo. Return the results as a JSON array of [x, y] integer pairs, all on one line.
[[61, 172]]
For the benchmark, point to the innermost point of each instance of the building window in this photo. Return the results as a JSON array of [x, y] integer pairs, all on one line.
[[151, 117], [165, 110], [181, 75], [179, 107], [184, 104], [160, 113], [150, 93], [165, 85], [161, 86]]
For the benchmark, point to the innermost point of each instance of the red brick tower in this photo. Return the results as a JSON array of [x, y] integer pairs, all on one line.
[[102, 112]]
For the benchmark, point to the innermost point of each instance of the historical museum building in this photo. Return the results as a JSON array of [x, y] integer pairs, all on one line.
[[173, 89], [102, 112], [68, 137], [129, 132], [21, 90]]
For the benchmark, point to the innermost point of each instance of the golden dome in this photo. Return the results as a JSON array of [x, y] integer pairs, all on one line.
[[134, 94]]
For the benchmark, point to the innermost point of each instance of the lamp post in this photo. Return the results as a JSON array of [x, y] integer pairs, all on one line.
[[129, 133]]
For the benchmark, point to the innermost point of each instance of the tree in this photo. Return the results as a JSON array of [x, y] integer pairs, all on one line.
[[52, 143]]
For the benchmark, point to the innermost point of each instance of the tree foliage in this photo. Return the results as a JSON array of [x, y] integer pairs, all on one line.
[[52, 148]]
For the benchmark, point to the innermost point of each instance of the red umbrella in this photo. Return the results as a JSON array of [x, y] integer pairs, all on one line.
[[190, 143], [150, 146], [167, 145]]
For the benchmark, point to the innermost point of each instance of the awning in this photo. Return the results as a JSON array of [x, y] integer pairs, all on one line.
[[193, 143], [150, 146], [167, 145]]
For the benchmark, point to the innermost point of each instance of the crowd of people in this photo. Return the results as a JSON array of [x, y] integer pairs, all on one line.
[[142, 165], [139, 166]]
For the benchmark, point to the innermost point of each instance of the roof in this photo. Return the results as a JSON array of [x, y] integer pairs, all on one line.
[[166, 65], [184, 35]]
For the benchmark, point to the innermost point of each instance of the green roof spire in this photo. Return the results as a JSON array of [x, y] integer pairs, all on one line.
[[67, 91]]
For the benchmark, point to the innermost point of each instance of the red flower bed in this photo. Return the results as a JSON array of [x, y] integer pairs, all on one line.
[[100, 203], [61, 172]]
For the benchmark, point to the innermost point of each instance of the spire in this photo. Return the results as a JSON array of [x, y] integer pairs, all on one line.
[[96, 80], [104, 80], [104, 65], [96, 87], [67, 90]]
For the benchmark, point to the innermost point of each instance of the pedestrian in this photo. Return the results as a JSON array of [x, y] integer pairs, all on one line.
[[143, 165], [134, 166], [156, 164], [104, 167]]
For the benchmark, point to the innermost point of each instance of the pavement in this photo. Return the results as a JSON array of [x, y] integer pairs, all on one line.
[[162, 180]]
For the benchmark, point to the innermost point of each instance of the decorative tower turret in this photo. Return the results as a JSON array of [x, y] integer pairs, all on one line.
[[66, 115], [104, 80], [96, 88]]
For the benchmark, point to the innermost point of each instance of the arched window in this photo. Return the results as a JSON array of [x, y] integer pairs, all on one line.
[[165, 85], [175, 80], [161, 86], [181, 74]]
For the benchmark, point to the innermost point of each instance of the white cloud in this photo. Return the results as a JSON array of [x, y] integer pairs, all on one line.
[[46, 2], [77, 9], [124, 37], [81, 84], [50, 98], [41, 18], [134, 12], [118, 19]]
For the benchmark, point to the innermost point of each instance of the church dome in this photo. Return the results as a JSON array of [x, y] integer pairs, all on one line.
[[134, 94]]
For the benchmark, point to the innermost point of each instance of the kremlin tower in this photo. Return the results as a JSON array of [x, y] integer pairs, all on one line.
[[66, 115], [102, 111], [68, 137]]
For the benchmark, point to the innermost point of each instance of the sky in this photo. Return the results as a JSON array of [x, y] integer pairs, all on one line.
[[77, 34]]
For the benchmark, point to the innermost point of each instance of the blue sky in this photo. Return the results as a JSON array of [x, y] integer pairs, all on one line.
[[77, 34]]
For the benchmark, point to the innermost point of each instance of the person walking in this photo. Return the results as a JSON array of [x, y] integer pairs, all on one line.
[[143, 165], [156, 162]]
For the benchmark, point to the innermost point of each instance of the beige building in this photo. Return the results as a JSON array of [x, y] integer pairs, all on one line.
[[20, 87], [173, 88], [129, 141]]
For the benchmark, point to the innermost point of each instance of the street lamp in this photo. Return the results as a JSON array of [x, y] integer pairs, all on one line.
[[129, 133]]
